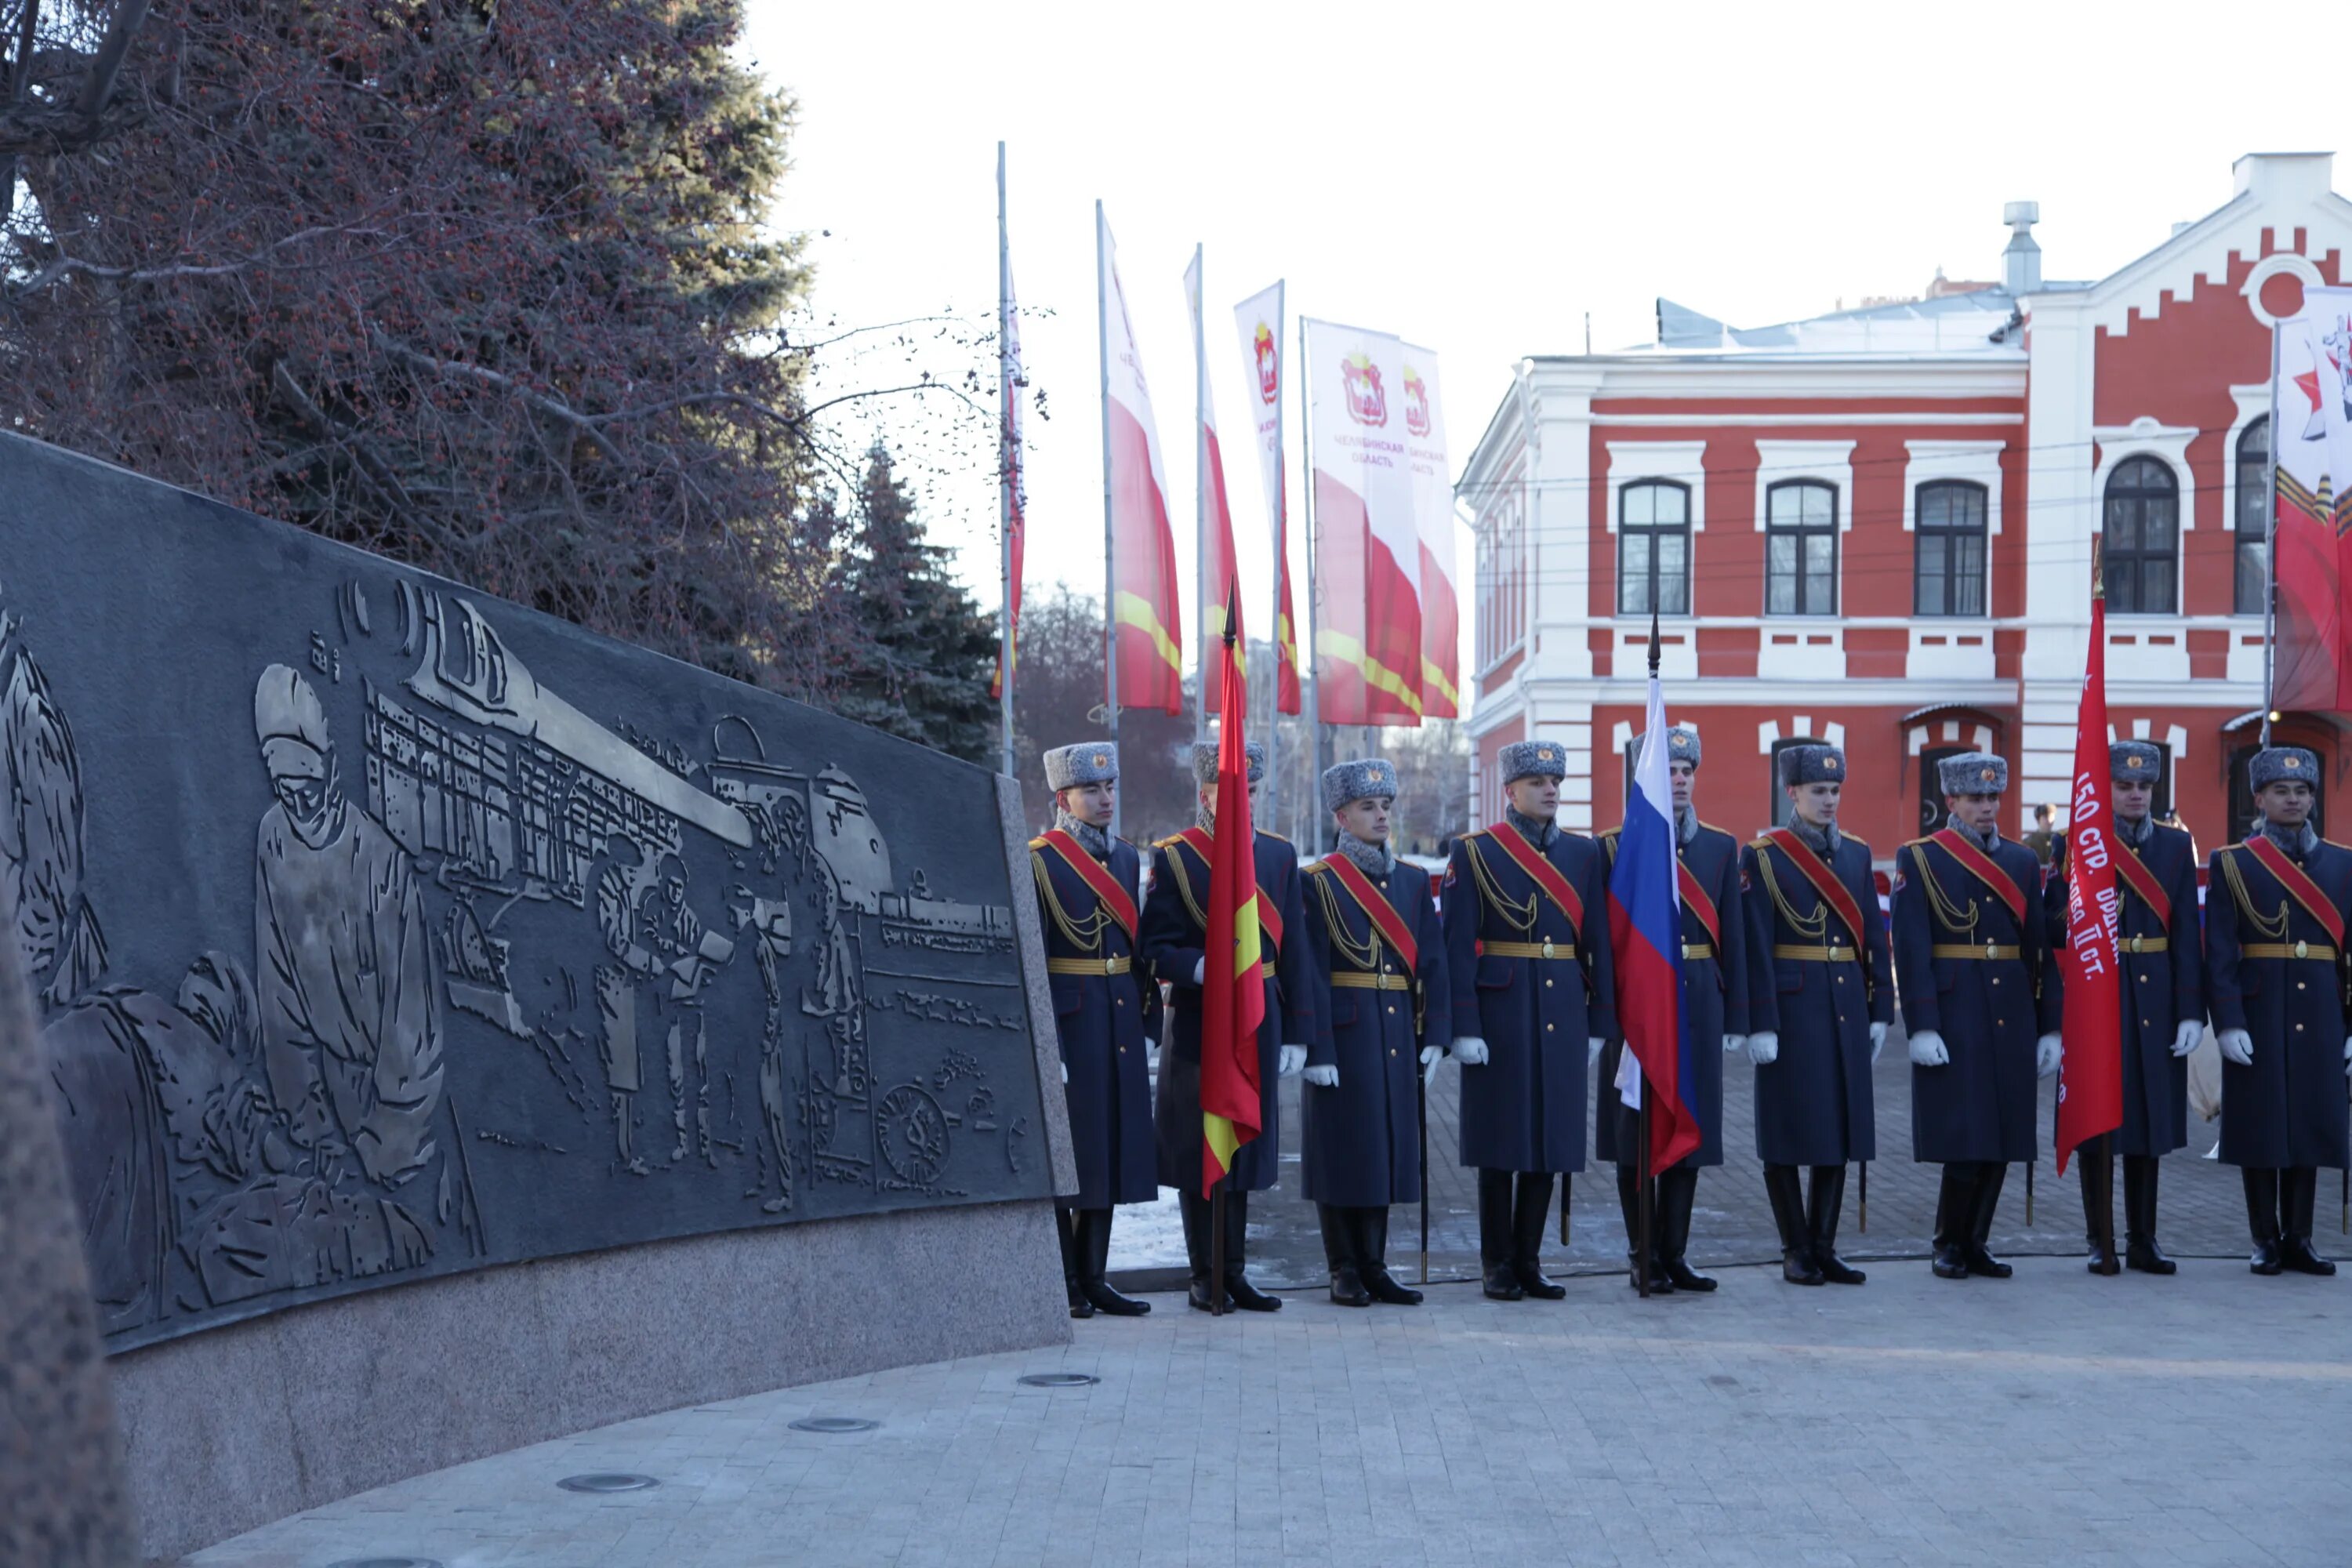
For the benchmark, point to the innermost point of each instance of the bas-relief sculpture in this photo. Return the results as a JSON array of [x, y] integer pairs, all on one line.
[[381, 930]]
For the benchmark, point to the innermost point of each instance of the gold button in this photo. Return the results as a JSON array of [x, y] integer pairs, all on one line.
[[1392, 1008], [1386, 970], [2143, 1024], [2298, 986], [1118, 1001], [1122, 1050], [1391, 1049], [1548, 1028], [1999, 1022], [2298, 1028], [1546, 984]]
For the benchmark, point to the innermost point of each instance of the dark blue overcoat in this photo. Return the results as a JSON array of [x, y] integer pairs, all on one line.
[[2288, 1105], [1103, 1021], [2161, 989], [1363, 1135], [1175, 927], [1814, 1102], [1524, 1109], [1715, 1000], [1989, 1011]]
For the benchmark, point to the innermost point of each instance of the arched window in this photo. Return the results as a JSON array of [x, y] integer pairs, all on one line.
[[2254, 516], [1947, 574], [1654, 547], [1800, 549], [2143, 539]]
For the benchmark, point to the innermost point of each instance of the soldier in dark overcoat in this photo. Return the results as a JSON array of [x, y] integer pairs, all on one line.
[[1820, 995], [1527, 939], [1372, 933], [1972, 954], [2161, 973], [1714, 1009], [1106, 1012], [2275, 911], [1175, 931]]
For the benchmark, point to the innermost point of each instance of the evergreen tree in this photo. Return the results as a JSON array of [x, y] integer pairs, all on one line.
[[918, 653]]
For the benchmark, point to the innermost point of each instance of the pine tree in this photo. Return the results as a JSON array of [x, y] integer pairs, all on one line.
[[917, 657]]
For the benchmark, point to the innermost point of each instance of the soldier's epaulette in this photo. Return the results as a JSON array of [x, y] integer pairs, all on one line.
[[1711, 827], [1609, 833], [1269, 833], [1164, 843], [1039, 842], [1318, 866], [2337, 843], [1914, 843], [1759, 842], [1474, 833]]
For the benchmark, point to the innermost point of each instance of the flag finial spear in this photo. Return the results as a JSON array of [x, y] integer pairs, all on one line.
[[1233, 612], [1653, 641]]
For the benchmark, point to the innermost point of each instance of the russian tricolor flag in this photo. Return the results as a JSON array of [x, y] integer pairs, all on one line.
[[1646, 927]]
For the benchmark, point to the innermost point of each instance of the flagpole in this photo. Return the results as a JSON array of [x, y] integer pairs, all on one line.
[[1281, 544], [1311, 674], [1110, 539], [1421, 1104], [2270, 562], [1200, 486], [1005, 459], [1644, 1202]]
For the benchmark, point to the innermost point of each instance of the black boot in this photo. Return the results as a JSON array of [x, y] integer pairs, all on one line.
[[1629, 1199], [1531, 1206], [1372, 1230], [1194, 1210], [1953, 1218], [2096, 1167], [1339, 1256], [2141, 1250], [1494, 1235], [2299, 1195], [1072, 1274], [1822, 1220], [1677, 1191], [1238, 1289], [1788, 1194], [1096, 1235], [2263, 1216], [1980, 1260]]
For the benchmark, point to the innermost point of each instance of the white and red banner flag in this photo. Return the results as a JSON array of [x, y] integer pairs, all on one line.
[[1367, 544], [1143, 602], [1259, 320], [1433, 511], [2091, 1070], [1219, 570]]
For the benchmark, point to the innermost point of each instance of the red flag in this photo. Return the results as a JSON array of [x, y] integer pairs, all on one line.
[[1286, 685], [1219, 568], [2091, 1077], [1147, 626], [1233, 993]]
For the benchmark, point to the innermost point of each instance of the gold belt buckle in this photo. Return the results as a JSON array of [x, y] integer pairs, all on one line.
[[1110, 967], [1547, 947], [2303, 949], [2135, 944], [1991, 949]]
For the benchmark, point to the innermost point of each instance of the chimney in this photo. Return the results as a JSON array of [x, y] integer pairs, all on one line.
[[2020, 264]]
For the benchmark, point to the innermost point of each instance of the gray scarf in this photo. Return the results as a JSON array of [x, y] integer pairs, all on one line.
[[1984, 841], [1372, 860], [1096, 841], [1539, 834], [1686, 825], [2297, 841], [1824, 841], [2136, 831]]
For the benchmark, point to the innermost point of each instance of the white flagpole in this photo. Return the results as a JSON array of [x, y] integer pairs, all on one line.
[[1273, 612], [1006, 456], [1110, 541], [1201, 492], [1312, 692], [2270, 554]]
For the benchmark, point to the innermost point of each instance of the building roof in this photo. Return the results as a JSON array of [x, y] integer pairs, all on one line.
[[1976, 322]]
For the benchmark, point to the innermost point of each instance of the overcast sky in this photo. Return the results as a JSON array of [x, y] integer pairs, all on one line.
[[1473, 177]]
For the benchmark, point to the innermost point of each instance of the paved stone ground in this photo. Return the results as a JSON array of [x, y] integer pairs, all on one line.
[[2205, 1419], [2202, 1206]]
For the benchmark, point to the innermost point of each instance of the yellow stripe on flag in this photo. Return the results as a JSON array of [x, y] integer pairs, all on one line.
[[1433, 679], [1219, 1133], [1134, 610], [1349, 651], [1246, 933]]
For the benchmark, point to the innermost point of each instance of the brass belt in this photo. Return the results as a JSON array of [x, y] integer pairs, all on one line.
[[2318, 950], [1088, 965], [1835, 952], [1528, 949], [1265, 969], [1692, 950], [1991, 950], [2144, 944], [1363, 980]]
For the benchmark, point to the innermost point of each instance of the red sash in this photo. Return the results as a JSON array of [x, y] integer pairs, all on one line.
[[1547, 875], [1694, 899], [2133, 870], [1097, 876], [1834, 893], [1384, 917], [1984, 869], [1268, 916], [2305, 892]]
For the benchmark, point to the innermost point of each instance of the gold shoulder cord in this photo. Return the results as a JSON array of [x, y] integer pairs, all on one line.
[[2268, 930], [1519, 917], [1813, 927], [1947, 914], [1184, 886], [1364, 956], [1085, 935]]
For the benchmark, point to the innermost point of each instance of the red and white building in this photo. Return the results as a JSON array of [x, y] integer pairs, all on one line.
[[1874, 529]]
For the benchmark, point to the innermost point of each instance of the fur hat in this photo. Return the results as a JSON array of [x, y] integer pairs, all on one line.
[[1204, 761], [1973, 773], [1358, 781], [1682, 744], [1088, 762], [1813, 765], [1532, 759], [2135, 761], [2284, 764]]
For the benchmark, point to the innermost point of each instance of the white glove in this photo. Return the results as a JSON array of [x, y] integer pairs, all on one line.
[[2048, 1052], [2348, 1059], [1065, 1075], [2237, 1044], [1877, 1042], [1289, 1060], [1764, 1048], [1593, 1044], [1470, 1051], [1928, 1050], [1734, 1044], [1200, 972], [2186, 1040], [1323, 1077]]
